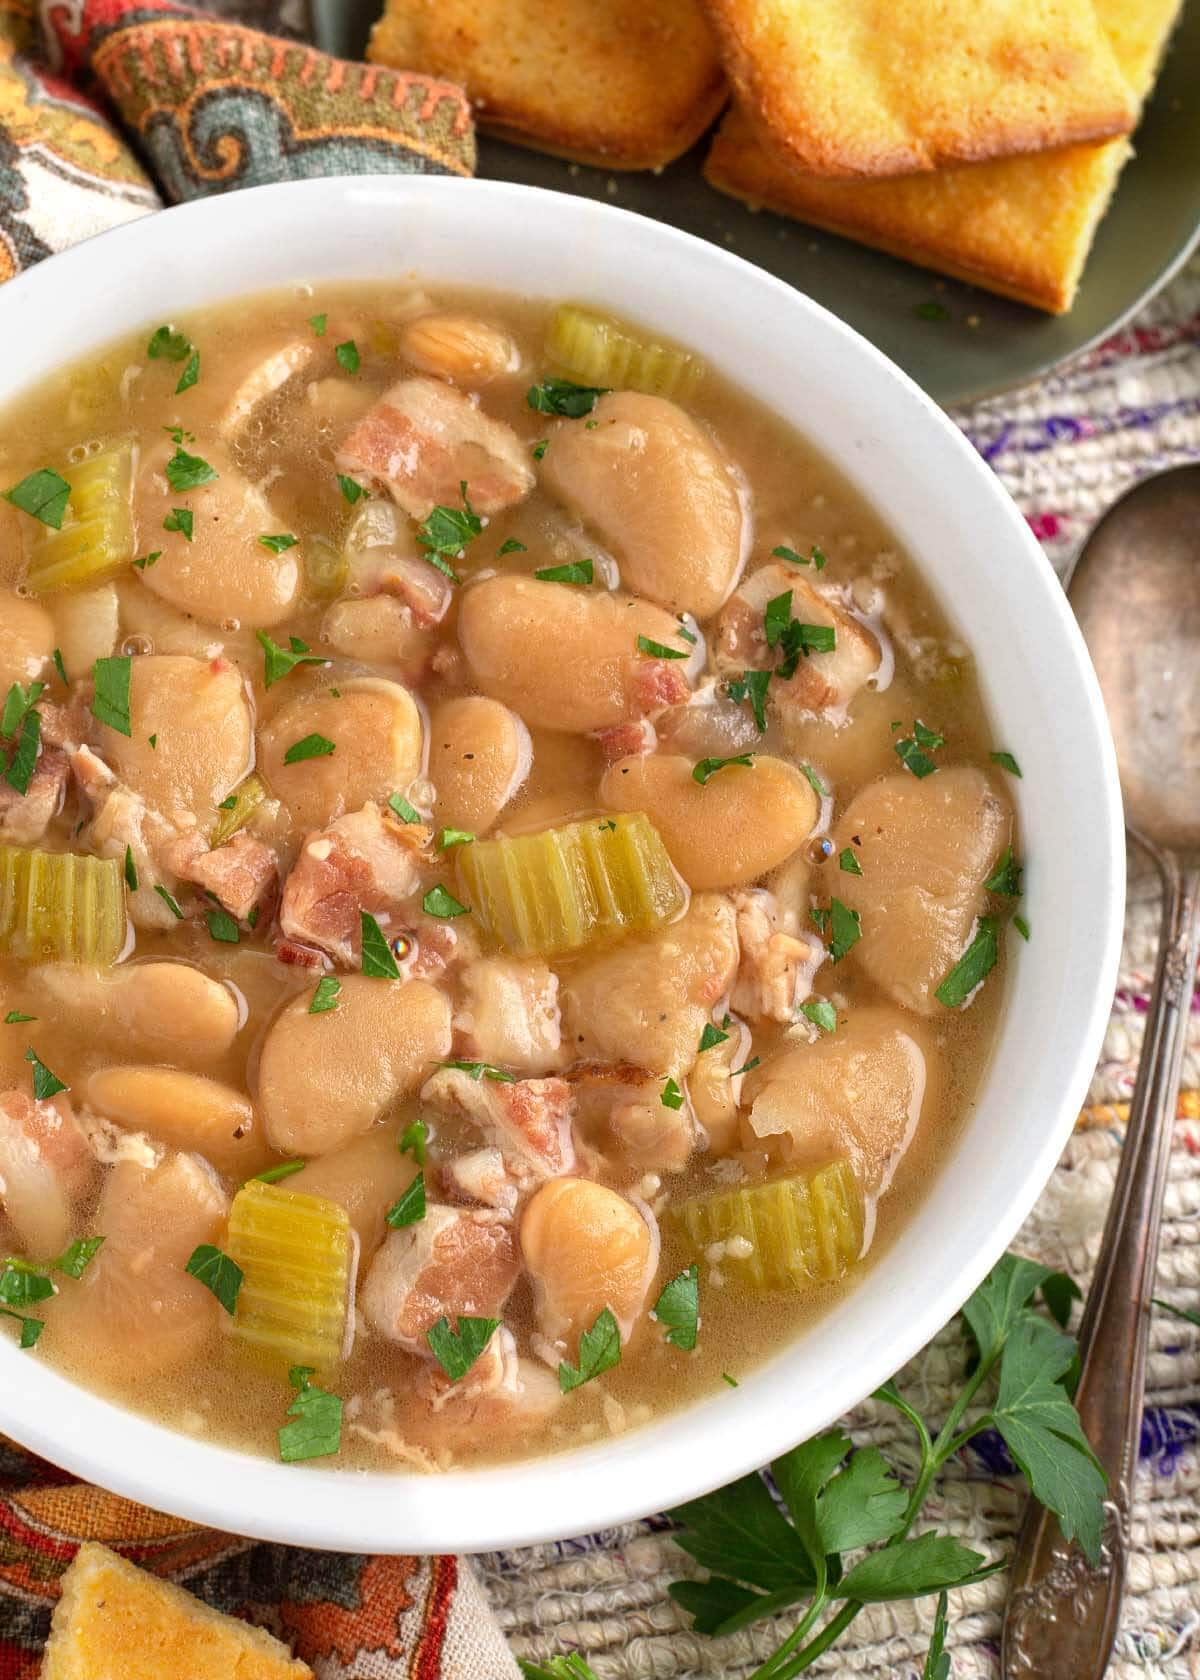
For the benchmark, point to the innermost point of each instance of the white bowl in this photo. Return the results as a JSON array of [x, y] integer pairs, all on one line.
[[972, 545]]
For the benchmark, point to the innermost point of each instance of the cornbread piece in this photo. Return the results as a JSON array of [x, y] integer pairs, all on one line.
[[1019, 226], [114, 1622], [623, 84], [894, 87]]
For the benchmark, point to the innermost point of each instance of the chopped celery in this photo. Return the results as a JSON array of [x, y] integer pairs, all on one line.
[[559, 890], [296, 1253], [597, 350], [60, 907], [246, 797], [97, 537], [807, 1228]]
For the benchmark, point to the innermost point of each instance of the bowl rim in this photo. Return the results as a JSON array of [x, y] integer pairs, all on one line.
[[715, 1440]]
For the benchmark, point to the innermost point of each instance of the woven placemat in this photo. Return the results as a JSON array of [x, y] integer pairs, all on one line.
[[1065, 450]]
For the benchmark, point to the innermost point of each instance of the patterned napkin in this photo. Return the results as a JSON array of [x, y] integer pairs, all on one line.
[[207, 105]]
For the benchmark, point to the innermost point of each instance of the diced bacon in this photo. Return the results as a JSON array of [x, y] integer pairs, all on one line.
[[510, 1015], [659, 683], [528, 1120], [500, 1389], [238, 874], [436, 944], [45, 1165], [424, 440], [122, 819], [775, 970], [620, 1109], [481, 1176], [298, 956], [360, 862], [24, 818], [624, 740], [454, 1261], [65, 726], [262, 379], [421, 587]]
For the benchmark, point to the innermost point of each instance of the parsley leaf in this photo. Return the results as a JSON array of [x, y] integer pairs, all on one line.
[[14, 1018], [564, 397], [599, 1351], [814, 781], [576, 571], [438, 902], [181, 520], [147, 560], [31, 1328], [171, 902], [913, 750], [281, 543], [325, 997], [406, 812], [412, 1141], [848, 862], [678, 1307], [447, 531], [221, 926], [348, 358], [78, 1256], [17, 704], [378, 960], [845, 929], [708, 767], [1006, 761], [821, 1013], [57, 657], [752, 686], [569, 1667], [1022, 927], [280, 1171], [912, 1568], [43, 495], [510, 545], [23, 1285], [45, 1083], [351, 489], [457, 1350], [310, 746], [657, 650], [937, 1660], [318, 323], [482, 1070], [23, 763], [1006, 877], [190, 374], [976, 962], [188, 472], [450, 837], [280, 662], [711, 1037], [219, 1274], [110, 702], [410, 1207], [672, 1096], [167, 344], [316, 1427]]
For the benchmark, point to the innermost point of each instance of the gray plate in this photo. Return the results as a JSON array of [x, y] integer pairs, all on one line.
[[985, 343]]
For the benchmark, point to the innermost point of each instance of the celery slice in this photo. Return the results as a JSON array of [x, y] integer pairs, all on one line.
[[596, 350], [97, 537], [804, 1229], [247, 797], [296, 1253], [61, 907], [561, 889]]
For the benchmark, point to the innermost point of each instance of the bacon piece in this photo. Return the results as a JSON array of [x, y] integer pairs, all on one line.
[[775, 969], [480, 1176], [24, 818], [121, 819], [454, 1261], [619, 1106], [424, 440], [238, 874], [625, 740], [265, 376], [510, 1015], [45, 1165], [360, 862], [500, 1392], [528, 1120], [659, 683]]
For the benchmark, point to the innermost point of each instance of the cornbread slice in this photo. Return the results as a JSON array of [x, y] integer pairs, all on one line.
[[115, 1622], [624, 84], [895, 87], [1019, 226]]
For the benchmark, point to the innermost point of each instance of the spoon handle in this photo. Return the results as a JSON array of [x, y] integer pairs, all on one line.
[[1063, 1613]]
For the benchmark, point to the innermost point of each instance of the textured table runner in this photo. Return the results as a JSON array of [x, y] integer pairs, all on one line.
[[1065, 450]]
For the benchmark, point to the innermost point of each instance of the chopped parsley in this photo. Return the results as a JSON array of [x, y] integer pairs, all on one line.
[[599, 1351], [746, 1067], [282, 1170], [576, 571], [220, 1275], [401, 807], [976, 962], [351, 489], [931, 310], [315, 1429], [148, 559], [43, 495], [190, 374], [711, 1037], [23, 1285], [378, 960], [1006, 877], [45, 1083], [672, 1096], [17, 703], [447, 531], [847, 861], [821, 1013], [57, 657], [348, 358], [188, 472], [23, 763], [309, 746], [325, 997], [1006, 761], [481, 1070], [708, 767], [913, 750], [14, 1018], [539, 449], [281, 543], [168, 345], [457, 1350], [181, 520], [511, 546], [410, 1207], [678, 1307], [280, 662], [439, 902], [564, 397], [318, 323], [814, 558], [657, 650], [412, 1141], [31, 1328], [840, 925], [131, 874], [110, 702], [221, 926], [1022, 927], [450, 837], [172, 904], [78, 1256], [752, 686]]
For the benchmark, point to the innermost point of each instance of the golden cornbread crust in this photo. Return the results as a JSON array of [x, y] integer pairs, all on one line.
[[1019, 226], [857, 88], [623, 84], [115, 1622]]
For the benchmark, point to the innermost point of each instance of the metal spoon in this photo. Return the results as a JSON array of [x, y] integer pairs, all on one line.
[[1136, 592]]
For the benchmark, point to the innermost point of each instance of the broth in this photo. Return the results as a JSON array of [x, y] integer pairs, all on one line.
[[491, 704]]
